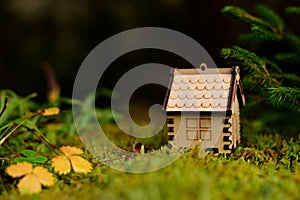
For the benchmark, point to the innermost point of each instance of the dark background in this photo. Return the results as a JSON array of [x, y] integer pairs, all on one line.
[[62, 33]]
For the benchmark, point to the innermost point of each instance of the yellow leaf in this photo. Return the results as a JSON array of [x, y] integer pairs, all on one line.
[[19, 169], [44, 176], [61, 164], [69, 151], [29, 184], [80, 165], [33, 179], [50, 111]]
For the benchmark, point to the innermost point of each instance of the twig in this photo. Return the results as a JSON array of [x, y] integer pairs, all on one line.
[[7, 129], [4, 107], [110, 160], [5, 159], [45, 140], [17, 126], [11, 132]]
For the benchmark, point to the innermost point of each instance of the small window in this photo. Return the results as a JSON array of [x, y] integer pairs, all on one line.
[[205, 135], [192, 123], [198, 128], [205, 123], [170, 120], [192, 135]]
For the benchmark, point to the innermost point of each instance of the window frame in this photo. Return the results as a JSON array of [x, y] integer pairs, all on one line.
[[200, 129]]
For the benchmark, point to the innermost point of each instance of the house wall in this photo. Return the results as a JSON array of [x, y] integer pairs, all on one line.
[[181, 132], [224, 130]]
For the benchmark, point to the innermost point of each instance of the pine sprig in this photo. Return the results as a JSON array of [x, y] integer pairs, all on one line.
[[292, 10], [271, 24], [256, 66], [276, 22], [288, 57], [292, 40], [273, 67], [293, 78], [246, 37], [264, 34], [237, 54], [284, 96], [243, 15], [264, 77]]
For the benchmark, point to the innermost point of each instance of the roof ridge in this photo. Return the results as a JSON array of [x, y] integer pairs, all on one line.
[[215, 70]]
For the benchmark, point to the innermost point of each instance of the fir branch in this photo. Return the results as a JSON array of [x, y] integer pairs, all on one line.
[[288, 57], [253, 83], [293, 78], [272, 66], [238, 57], [276, 22], [249, 38], [256, 66], [284, 97], [256, 99], [272, 24], [243, 15], [244, 58], [292, 40], [264, 77], [292, 10], [264, 34]]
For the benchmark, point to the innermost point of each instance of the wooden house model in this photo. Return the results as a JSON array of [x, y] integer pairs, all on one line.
[[204, 105]]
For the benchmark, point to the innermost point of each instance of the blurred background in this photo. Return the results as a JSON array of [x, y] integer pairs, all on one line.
[[62, 33]]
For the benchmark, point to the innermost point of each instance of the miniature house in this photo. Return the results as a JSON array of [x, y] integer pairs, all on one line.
[[203, 104]]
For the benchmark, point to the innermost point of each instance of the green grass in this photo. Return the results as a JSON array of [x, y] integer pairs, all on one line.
[[263, 167], [270, 172]]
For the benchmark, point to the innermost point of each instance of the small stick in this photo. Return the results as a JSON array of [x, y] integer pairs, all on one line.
[[7, 129], [110, 160], [4, 107], [17, 126], [45, 140]]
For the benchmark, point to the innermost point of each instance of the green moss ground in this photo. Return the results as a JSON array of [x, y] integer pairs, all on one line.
[[264, 166], [270, 172]]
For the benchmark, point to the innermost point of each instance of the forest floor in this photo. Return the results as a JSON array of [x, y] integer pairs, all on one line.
[[264, 167]]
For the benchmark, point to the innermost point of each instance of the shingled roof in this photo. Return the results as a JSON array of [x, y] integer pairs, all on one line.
[[209, 90]]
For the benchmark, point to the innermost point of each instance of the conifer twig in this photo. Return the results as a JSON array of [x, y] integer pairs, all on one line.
[[283, 89]]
